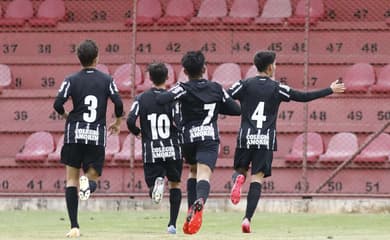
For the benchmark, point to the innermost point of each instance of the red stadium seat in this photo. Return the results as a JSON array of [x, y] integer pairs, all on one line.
[[378, 151], [49, 13], [17, 13], [275, 12], [5, 76], [112, 146], [103, 68], [36, 148], [227, 74], [341, 146], [55, 156], [122, 77], [148, 12], [147, 83], [210, 12], [178, 12], [242, 12], [315, 147], [184, 78], [359, 77], [252, 71], [123, 156], [383, 82], [316, 11]]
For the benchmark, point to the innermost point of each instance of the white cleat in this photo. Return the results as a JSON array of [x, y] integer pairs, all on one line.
[[73, 233], [84, 191], [158, 190]]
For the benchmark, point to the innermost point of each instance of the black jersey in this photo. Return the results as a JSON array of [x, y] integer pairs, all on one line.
[[200, 102], [89, 90], [160, 136], [260, 98]]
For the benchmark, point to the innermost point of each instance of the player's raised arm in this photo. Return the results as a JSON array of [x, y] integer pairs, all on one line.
[[229, 106], [171, 95], [295, 95]]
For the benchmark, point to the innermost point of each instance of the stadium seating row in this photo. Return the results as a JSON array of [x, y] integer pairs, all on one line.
[[40, 148], [360, 77], [336, 113], [340, 148], [209, 12], [18, 12]]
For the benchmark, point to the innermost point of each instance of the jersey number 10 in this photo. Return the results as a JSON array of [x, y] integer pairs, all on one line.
[[159, 125]]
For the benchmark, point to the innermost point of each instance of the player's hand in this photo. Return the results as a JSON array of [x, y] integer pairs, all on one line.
[[65, 115], [337, 86], [115, 127]]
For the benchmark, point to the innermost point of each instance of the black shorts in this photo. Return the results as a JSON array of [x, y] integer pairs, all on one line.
[[205, 152], [261, 160], [170, 169], [85, 155]]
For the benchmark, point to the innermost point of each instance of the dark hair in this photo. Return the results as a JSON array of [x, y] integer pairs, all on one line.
[[87, 52], [263, 59], [158, 72], [193, 62]]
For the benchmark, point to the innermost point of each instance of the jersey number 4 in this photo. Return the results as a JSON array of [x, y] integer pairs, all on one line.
[[159, 125], [258, 115]]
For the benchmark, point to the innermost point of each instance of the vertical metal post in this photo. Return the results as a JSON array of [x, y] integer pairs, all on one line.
[[306, 106], [133, 61]]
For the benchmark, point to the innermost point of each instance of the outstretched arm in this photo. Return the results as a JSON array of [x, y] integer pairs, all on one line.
[[230, 107], [335, 87], [171, 95]]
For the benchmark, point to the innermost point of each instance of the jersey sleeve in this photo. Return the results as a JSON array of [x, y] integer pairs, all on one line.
[[63, 94], [175, 93], [132, 117], [116, 99], [229, 106], [284, 92], [236, 89]]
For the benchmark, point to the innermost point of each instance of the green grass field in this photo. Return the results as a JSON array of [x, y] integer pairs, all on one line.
[[150, 224]]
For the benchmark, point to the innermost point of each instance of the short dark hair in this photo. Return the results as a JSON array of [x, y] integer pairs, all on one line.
[[193, 62], [87, 52], [158, 72], [263, 59]]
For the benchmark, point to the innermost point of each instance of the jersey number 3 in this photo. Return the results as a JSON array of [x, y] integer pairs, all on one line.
[[258, 115], [92, 103]]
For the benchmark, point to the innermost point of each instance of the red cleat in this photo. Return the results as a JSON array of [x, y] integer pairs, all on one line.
[[246, 226], [194, 217], [188, 218], [185, 227], [235, 194]]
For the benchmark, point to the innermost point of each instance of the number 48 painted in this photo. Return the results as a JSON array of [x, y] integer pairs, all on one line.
[[258, 115]]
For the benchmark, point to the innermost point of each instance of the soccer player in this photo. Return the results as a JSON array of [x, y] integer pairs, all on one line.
[[200, 102], [85, 127], [160, 142], [260, 97]]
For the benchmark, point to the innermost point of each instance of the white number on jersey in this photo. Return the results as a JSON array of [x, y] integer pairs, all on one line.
[[159, 125], [210, 107], [258, 115], [92, 103]]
